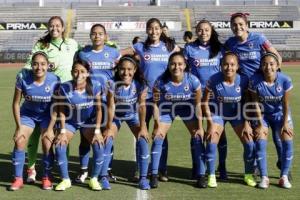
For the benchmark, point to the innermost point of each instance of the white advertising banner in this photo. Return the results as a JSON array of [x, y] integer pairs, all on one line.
[[126, 26]]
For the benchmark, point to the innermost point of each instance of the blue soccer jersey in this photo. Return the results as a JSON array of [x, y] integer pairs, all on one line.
[[80, 106], [126, 98], [226, 100], [102, 62], [271, 96], [249, 52], [201, 65], [37, 97], [154, 61], [181, 96]]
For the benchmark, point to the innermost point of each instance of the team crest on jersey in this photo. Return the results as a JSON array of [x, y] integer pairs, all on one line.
[[133, 91], [197, 63], [67, 48], [250, 45], [220, 99], [278, 89], [238, 89], [164, 48], [106, 55], [47, 88], [168, 96], [186, 88], [147, 57], [28, 98]]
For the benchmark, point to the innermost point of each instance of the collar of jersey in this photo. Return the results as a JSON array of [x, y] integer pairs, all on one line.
[[57, 41], [156, 45]]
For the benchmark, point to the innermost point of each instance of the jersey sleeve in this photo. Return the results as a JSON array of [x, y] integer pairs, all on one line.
[[264, 42], [195, 83], [209, 84], [138, 47], [97, 87], [19, 82], [287, 84], [110, 86]]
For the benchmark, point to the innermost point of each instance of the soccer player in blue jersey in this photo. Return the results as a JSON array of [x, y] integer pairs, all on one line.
[[271, 89], [249, 46], [60, 51], [102, 59], [38, 90], [223, 102], [204, 55], [126, 100], [177, 93], [154, 54], [80, 109]]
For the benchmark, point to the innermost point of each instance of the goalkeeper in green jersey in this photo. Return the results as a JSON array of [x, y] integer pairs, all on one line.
[[60, 52]]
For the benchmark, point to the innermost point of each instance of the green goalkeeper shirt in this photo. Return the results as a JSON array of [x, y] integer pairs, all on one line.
[[60, 54]]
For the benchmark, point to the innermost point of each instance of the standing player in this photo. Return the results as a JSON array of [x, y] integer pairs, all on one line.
[[60, 52], [272, 89], [154, 54], [102, 59], [177, 92], [228, 90], [38, 89], [249, 47], [80, 109], [126, 101], [204, 55]]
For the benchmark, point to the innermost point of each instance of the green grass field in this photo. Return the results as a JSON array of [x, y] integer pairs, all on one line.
[[179, 162]]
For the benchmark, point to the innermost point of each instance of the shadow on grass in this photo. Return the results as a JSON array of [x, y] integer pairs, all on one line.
[[123, 169]]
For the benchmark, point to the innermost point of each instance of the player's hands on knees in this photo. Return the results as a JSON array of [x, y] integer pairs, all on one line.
[[98, 138], [260, 132], [61, 139], [247, 131], [49, 135], [286, 129], [143, 133], [157, 132], [199, 132], [18, 134], [107, 133]]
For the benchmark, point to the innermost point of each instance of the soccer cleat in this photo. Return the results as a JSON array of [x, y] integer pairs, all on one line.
[[212, 182], [249, 180], [82, 176], [63, 185], [201, 182], [284, 182], [31, 174], [144, 184], [94, 184], [264, 182], [111, 176], [163, 176], [16, 184], [154, 181], [46, 183], [105, 183]]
